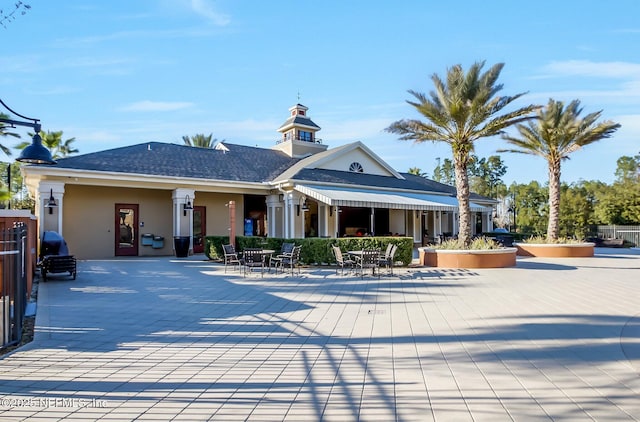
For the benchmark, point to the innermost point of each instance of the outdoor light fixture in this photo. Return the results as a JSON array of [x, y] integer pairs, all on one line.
[[35, 153], [304, 207], [51, 203], [187, 205]]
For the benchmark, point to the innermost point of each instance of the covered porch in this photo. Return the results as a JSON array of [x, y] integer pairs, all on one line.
[[329, 211]]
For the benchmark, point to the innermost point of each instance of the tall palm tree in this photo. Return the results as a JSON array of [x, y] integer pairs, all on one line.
[[53, 141], [556, 133], [462, 109], [200, 140]]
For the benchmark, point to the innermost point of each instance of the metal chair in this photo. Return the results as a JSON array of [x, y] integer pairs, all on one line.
[[253, 258], [369, 259], [341, 260], [388, 259], [276, 261], [230, 256], [292, 261]]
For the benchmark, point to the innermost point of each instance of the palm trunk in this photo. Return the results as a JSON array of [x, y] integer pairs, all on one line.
[[462, 192], [554, 201]]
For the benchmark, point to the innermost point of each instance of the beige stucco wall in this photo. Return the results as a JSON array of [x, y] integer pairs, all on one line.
[[217, 212], [89, 219]]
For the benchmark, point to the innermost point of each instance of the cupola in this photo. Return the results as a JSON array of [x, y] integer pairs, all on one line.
[[299, 134]]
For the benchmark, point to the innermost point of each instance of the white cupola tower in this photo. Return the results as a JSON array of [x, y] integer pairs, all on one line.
[[299, 134]]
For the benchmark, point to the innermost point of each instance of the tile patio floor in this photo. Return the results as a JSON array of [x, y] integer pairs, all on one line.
[[178, 339]]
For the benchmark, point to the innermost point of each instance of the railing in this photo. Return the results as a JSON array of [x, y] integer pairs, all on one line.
[[297, 138], [629, 233], [13, 289]]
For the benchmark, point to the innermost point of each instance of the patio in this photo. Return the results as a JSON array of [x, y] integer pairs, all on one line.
[[162, 338]]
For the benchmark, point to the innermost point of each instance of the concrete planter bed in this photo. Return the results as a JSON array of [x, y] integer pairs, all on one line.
[[562, 250], [449, 258]]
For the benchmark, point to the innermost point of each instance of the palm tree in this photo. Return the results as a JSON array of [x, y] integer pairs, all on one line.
[[462, 109], [4, 132], [200, 140], [556, 133], [53, 141]]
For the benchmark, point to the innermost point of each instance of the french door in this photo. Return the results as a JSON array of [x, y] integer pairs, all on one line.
[[199, 228]]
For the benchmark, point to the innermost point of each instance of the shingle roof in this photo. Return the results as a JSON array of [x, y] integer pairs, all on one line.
[[238, 163], [411, 182], [299, 120]]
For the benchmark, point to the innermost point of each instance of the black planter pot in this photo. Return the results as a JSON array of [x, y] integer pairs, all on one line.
[[181, 245]]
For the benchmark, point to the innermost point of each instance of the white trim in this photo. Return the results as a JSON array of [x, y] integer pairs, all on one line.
[[355, 197]]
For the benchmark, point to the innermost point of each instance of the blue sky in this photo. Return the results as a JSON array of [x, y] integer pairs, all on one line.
[[114, 73]]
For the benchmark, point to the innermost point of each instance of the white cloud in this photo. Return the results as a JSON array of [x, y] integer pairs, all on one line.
[[147, 105], [592, 69], [205, 9]]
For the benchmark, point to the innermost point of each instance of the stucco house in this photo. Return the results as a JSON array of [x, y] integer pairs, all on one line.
[[134, 200]]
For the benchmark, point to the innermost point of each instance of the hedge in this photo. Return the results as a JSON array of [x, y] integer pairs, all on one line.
[[315, 251]]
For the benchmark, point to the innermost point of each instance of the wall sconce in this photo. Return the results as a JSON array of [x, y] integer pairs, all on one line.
[[304, 207], [51, 203], [187, 205]]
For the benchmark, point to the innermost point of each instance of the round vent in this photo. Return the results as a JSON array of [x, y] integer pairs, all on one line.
[[356, 167]]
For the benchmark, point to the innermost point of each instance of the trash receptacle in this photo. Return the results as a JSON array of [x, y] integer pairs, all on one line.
[[181, 245]]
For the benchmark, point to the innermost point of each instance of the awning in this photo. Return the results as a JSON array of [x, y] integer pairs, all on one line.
[[353, 197]]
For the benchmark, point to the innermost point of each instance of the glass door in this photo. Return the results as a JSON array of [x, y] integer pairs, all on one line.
[[199, 228], [126, 230]]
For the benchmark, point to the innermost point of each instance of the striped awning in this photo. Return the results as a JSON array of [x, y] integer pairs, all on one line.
[[353, 197]]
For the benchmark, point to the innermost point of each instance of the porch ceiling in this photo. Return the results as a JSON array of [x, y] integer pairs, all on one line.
[[353, 197]]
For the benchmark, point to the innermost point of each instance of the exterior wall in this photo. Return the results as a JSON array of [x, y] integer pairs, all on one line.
[[94, 208], [343, 162], [88, 219], [217, 212], [397, 222]]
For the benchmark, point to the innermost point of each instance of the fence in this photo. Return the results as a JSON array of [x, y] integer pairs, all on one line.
[[629, 233], [13, 290]]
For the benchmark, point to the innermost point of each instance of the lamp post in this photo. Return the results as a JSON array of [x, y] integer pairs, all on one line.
[[35, 153], [512, 209]]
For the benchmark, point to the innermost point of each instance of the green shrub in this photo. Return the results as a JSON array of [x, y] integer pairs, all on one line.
[[315, 251], [477, 244], [560, 240]]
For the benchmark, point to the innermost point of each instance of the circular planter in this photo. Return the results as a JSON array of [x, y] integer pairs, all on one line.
[[561, 250], [448, 258]]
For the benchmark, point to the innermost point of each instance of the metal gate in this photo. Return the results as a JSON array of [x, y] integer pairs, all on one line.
[[13, 290]]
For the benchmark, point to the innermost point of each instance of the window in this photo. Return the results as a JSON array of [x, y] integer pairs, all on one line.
[[356, 167], [304, 136]]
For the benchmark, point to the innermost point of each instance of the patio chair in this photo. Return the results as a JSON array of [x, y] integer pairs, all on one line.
[[276, 261], [341, 260], [369, 259], [292, 261], [388, 259], [230, 256], [253, 258]]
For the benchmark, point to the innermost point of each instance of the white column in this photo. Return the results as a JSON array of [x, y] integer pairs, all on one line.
[[272, 205], [183, 224]]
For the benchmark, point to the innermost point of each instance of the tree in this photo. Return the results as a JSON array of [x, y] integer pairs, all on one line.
[[486, 176], [557, 133], [444, 173], [418, 172], [19, 7], [4, 132], [200, 140], [463, 108], [54, 143], [628, 168]]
